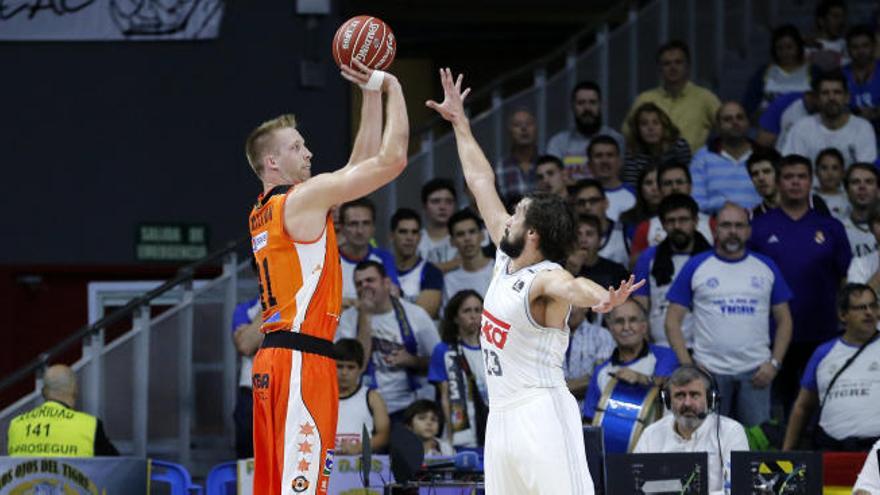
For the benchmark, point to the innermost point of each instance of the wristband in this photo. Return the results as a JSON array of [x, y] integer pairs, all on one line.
[[775, 363], [375, 82]]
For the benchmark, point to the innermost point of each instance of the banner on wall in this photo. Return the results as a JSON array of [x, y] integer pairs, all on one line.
[[73, 476], [109, 20]]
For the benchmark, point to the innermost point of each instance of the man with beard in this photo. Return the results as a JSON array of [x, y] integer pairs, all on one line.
[[863, 74], [732, 293], [813, 254], [661, 263], [719, 169], [690, 107], [833, 127], [694, 426], [605, 163], [534, 440], [571, 144], [861, 188], [420, 281], [516, 172]]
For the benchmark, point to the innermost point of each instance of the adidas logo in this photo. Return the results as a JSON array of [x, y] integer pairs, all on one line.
[[773, 239]]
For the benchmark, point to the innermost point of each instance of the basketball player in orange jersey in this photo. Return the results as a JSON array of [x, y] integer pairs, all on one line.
[[294, 374]]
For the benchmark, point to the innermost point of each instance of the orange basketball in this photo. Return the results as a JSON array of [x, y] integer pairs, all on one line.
[[367, 39]]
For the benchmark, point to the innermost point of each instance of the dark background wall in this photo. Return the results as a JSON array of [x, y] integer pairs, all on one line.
[[96, 137]]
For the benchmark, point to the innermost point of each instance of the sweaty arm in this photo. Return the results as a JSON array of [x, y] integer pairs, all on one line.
[[314, 197], [478, 171]]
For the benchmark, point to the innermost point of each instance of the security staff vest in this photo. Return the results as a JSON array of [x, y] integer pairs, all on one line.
[[52, 430]]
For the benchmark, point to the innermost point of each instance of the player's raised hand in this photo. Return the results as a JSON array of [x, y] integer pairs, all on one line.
[[618, 296], [452, 108]]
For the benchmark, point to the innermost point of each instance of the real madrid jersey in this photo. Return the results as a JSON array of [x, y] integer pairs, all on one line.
[[518, 353]]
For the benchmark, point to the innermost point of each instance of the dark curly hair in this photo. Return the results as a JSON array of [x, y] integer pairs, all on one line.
[[550, 216]]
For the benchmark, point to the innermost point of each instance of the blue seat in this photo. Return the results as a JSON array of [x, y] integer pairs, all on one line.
[[223, 479], [174, 475]]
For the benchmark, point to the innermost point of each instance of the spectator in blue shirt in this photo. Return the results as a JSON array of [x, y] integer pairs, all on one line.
[[719, 169], [813, 253], [732, 294], [863, 74], [246, 335], [420, 281]]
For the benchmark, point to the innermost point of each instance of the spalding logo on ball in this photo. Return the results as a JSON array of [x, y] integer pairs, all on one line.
[[367, 39]]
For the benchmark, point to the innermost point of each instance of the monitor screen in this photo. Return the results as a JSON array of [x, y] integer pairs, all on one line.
[[790, 473], [655, 474]]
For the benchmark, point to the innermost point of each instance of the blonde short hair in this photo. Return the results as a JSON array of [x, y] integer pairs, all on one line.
[[259, 140]]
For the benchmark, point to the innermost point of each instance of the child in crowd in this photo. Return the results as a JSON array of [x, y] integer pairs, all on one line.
[[423, 418], [359, 406]]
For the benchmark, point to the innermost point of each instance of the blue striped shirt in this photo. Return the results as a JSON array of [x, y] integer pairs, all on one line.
[[718, 178]]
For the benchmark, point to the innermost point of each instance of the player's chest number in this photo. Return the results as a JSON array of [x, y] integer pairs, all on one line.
[[493, 363]]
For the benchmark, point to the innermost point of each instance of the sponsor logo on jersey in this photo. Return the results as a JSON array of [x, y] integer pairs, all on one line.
[[518, 285], [494, 330], [300, 484], [261, 381], [328, 463], [259, 241]]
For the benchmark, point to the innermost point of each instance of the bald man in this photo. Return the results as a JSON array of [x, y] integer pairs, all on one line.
[[719, 169], [55, 428]]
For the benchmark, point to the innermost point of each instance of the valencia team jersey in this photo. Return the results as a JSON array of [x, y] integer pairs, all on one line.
[[518, 353], [300, 280]]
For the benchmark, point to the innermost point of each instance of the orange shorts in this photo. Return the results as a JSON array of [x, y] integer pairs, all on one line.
[[296, 402]]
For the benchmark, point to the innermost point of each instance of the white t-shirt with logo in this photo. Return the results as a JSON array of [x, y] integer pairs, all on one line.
[[731, 303], [860, 238], [851, 407], [392, 381]]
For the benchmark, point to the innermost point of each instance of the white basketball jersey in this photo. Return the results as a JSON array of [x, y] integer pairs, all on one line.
[[354, 414], [518, 353]]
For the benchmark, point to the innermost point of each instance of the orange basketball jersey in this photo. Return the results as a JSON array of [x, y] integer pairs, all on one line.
[[300, 281]]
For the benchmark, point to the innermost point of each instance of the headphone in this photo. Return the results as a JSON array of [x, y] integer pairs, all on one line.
[[713, 397]]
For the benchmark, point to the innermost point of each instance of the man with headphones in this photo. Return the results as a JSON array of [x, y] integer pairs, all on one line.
[[694, 426]]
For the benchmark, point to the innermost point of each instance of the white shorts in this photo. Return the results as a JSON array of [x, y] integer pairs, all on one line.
[[536, 446]]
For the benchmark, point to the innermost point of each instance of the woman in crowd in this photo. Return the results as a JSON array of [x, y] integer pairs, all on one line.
[[457, 370], [789, 71], [647, 200], [655, 141]]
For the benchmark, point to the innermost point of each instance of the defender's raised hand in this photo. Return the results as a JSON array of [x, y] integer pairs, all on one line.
[[452, 108], [616, 297]]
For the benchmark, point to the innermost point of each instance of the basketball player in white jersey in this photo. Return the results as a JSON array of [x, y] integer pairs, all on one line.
[[534, 441]]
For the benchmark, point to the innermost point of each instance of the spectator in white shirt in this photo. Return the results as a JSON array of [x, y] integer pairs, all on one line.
[[476, 269], [847, 405], [833, 127], [421, 282], [397, 335], [606, 162], [861, 182], [868, 482], [438, 202], [866, 269], [694, 426], [732, 292], [359, 405]]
